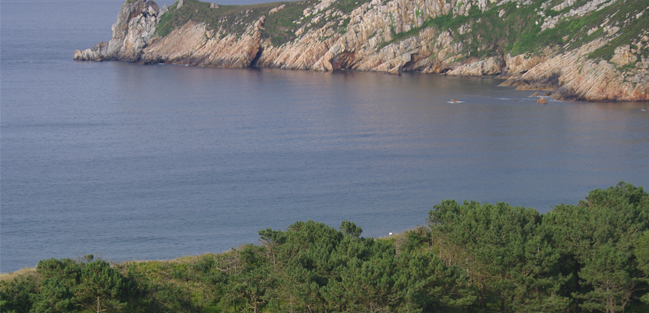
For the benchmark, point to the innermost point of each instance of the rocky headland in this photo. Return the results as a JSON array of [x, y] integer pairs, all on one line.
[[593, 50]]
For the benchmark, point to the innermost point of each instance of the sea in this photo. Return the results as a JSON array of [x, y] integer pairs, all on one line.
[[153, 162]]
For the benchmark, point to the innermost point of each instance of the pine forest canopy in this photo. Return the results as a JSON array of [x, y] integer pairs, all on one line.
[[472, 257]]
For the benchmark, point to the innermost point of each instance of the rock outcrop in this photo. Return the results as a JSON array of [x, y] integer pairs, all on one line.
[[195, 45], [490, 66], [455, 37], [132, 31], [573, 76]]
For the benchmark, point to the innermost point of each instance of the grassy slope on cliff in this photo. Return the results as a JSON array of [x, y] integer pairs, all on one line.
[[230, 19], [280, 27], [506, 28], [517, 29]]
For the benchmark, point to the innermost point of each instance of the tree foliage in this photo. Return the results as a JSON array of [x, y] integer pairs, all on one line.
[[472, 257]]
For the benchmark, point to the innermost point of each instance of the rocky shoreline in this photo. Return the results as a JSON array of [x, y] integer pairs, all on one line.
[[395, 36]]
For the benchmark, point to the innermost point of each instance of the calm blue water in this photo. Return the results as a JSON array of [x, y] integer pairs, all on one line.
[[155, 162]]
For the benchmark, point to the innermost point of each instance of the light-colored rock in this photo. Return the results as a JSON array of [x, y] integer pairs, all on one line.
[[369, 25], [542, 100], [592, 30], [573, 76], [611, 30], [521, 63], [588, 7], [194, 45], [94, 54], [368, 44], [132, 31], [563, 5], [490, 66], [214, 5], [623, 56], [274, 10]]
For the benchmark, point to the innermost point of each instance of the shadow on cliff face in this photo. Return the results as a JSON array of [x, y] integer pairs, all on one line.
[[567, 94], [559, 91], [410, 65], [254, 61], [545, 83], [343, 61]]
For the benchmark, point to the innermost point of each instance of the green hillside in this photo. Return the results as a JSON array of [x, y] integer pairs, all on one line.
[[511, 27]]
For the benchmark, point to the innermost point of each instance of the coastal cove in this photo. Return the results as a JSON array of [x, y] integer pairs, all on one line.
[[134, 161], [587, 50]]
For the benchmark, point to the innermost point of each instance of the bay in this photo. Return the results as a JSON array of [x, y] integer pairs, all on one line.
[[154, 162]]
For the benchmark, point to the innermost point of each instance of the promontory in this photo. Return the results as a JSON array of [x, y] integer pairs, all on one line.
[[593, 50]]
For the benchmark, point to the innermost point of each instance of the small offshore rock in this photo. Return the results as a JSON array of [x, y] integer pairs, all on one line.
[[536, 94], [542, 100], [454, 101], [547, 94]]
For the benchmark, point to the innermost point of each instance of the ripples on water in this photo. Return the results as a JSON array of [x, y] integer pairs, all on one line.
[[150, 162]]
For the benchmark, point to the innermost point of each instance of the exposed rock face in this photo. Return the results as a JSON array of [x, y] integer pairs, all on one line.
[[275, 10], [623, 56], [392, 36], [361, 46], [132, 31], [520, 64], [490, 66], [572, 76], [193, 44]]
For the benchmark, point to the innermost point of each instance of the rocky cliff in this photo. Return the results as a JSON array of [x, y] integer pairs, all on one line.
[[579, 49], [133, 31]]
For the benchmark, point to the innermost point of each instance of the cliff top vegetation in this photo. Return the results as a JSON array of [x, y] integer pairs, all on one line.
[[515, 27]]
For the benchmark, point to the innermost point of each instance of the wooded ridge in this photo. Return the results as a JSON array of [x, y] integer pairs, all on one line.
[[471, 257]]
